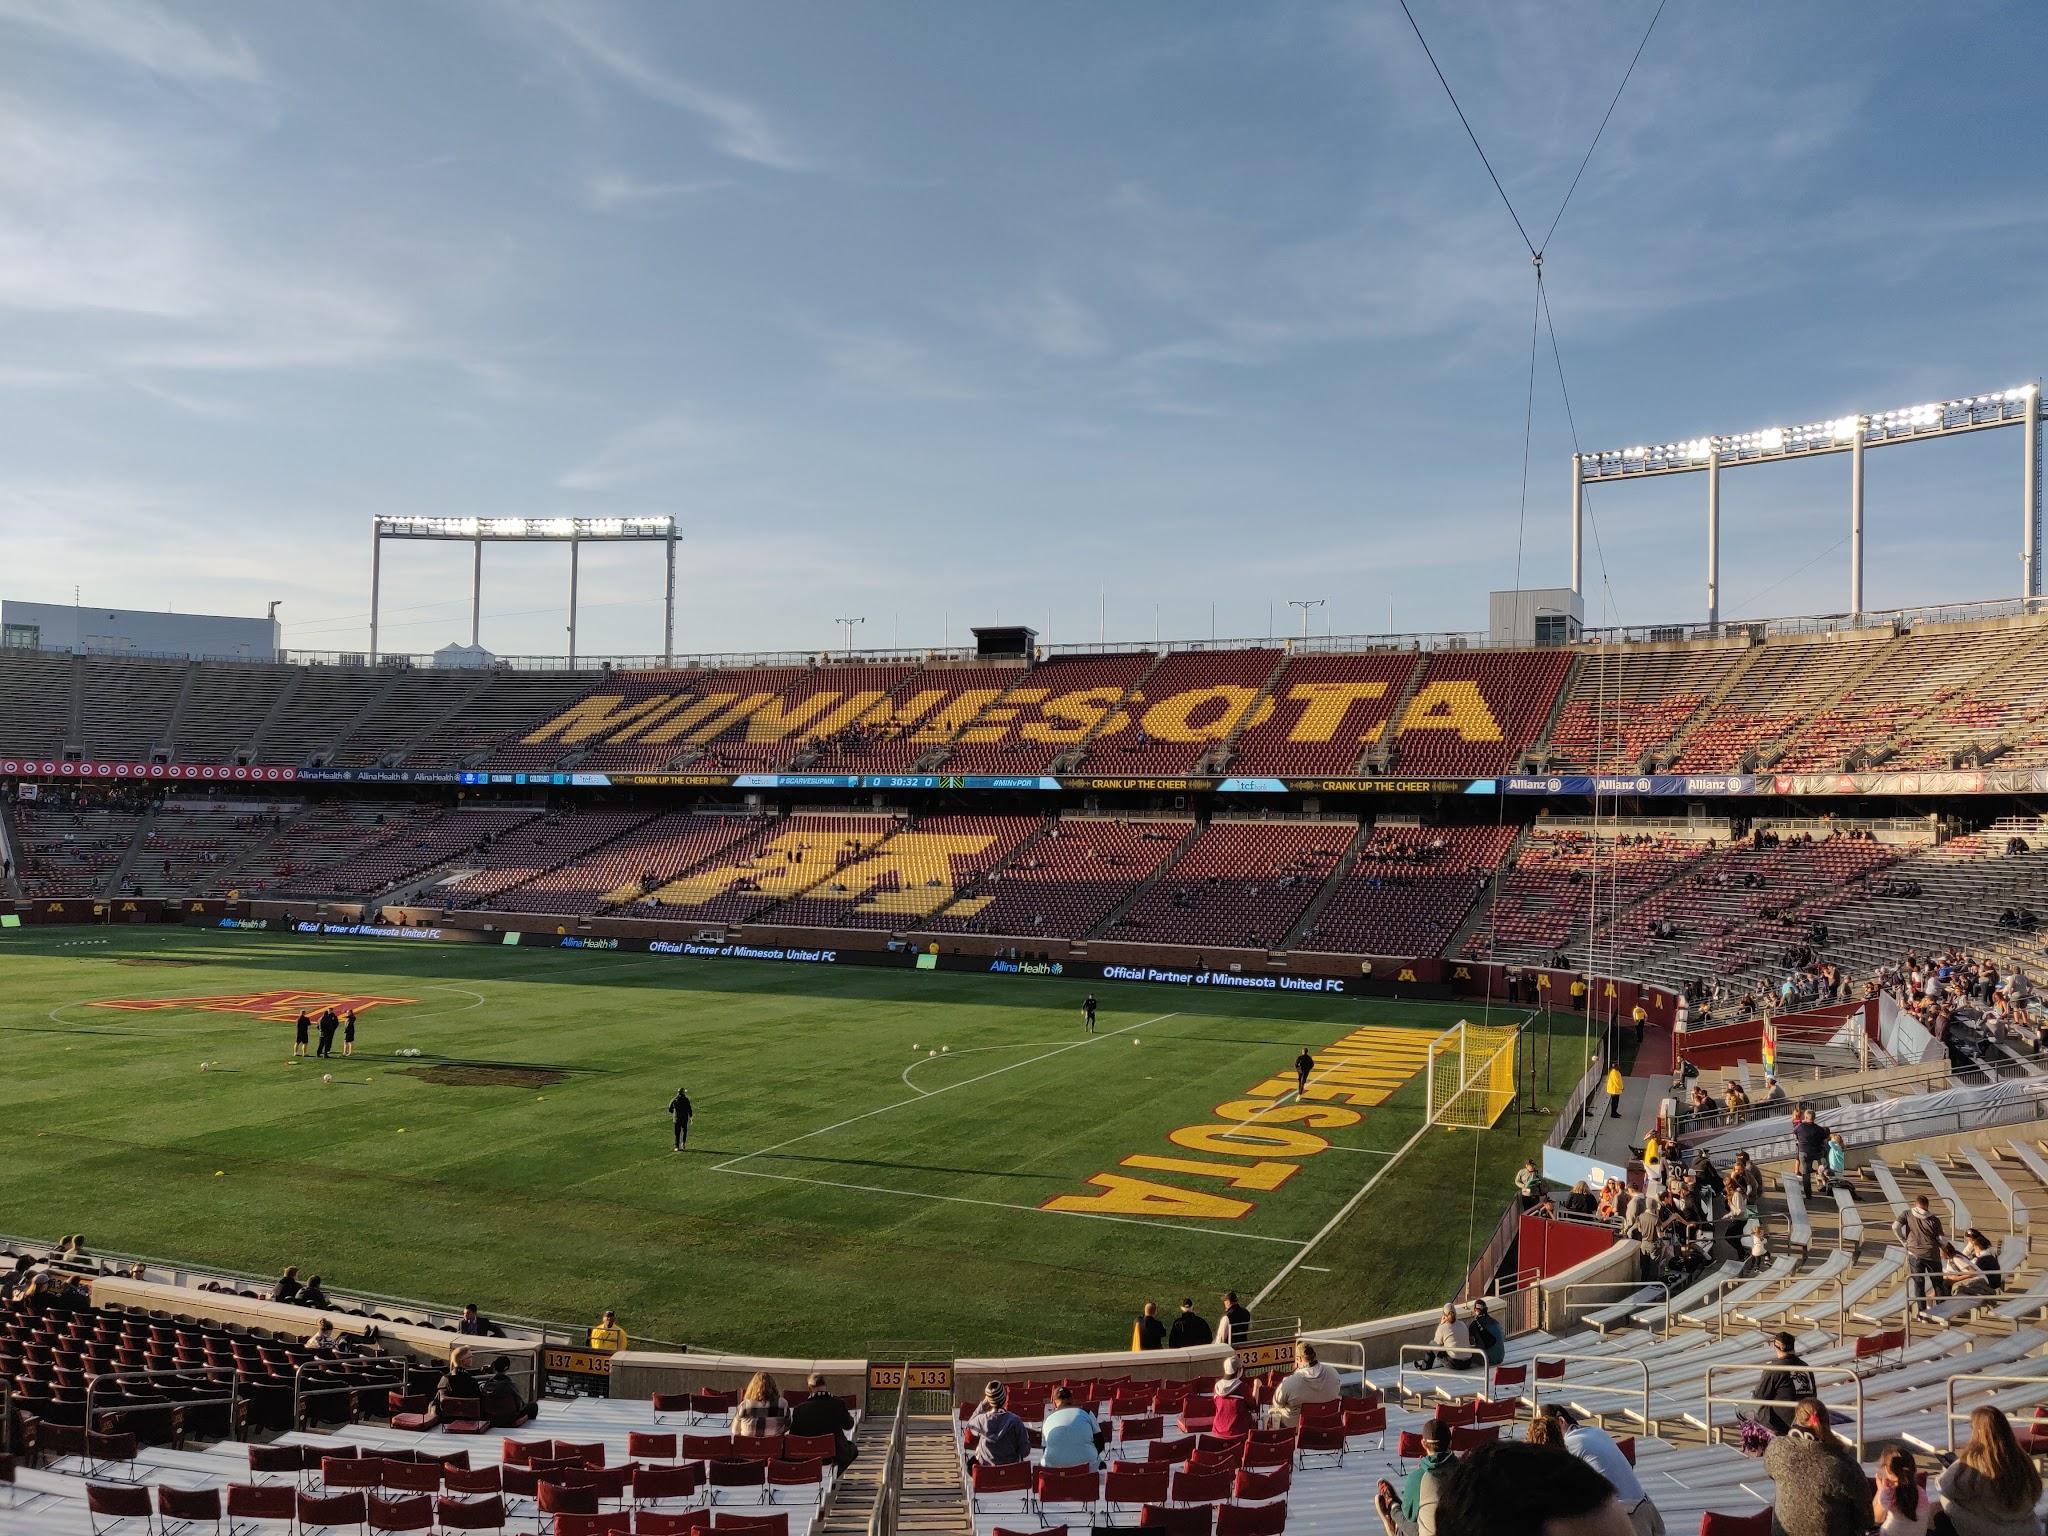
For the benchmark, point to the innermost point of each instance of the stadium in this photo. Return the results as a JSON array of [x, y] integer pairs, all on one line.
[[1589, 1075]]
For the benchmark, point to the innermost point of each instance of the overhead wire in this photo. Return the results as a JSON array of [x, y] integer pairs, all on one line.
[[1597, 132]]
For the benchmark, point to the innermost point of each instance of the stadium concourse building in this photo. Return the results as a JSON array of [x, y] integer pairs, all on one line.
[[136, 632]]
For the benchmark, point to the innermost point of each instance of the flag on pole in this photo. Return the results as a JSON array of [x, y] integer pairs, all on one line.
[[1770, 1047], [1137, 1337]]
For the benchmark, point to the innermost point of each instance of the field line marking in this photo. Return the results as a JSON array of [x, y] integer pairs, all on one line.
[[1007, 1205], [1343, 1211], [965, 1082], [1021, 1045], [1361, 1151]]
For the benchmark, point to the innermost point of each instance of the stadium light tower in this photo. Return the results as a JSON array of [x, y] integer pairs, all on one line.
[[2020, 407], [1304, 604], [849, 623], [573, 531]]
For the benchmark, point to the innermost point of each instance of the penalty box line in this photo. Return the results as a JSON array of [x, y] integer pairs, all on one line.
[[731, 1164]]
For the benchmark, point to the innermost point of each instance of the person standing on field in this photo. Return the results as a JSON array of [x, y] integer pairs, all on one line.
[[1303, 1065], [328, 1025], [1088, 1012], [302, 1034], [348, 1034], [680, 1109]]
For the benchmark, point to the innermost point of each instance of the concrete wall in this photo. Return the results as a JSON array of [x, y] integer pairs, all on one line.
[[638, 1373]]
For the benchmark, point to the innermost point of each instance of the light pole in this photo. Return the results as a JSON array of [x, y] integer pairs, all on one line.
[[1304, 604], [849, 623]]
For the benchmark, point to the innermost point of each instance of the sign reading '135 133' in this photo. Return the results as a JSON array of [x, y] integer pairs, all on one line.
[[918, 1378]]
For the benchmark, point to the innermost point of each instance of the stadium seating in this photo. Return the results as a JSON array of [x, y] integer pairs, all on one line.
[[912, 874], [1068, 881], [1785, 682], [1563, 878], [36, 693], [1408, 890], [1477, 712], [1188, 707], [1328, 711], [616, 873], [784, 859], [1626, 703], [1047, 714], [806, 709], [1239, 883], [922, 716], [513, 863]]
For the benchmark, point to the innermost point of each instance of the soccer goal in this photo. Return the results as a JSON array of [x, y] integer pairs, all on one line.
[[1471, 1075]]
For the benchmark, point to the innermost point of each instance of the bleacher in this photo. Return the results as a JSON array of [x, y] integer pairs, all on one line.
[[1189, 705], [1049, 712], [1786, 682], [783, 859], [1328, 712], [912, 874], [1564, 877], [1071, 879], [925, 714], [509, 868], [1408, 891], [1477, 712], [1626, 703], [36, 692], [1239, 883]]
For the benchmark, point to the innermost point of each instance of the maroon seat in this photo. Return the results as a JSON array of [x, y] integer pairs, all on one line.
[[180, 1509], [109, 1506], [470, 1514], [332, 1511], [401, 1516]]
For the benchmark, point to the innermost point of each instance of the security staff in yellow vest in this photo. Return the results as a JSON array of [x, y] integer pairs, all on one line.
[[608, 1335]]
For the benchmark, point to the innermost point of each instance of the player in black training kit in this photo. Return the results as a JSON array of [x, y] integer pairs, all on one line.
[[1088, 1012], [1303, 1065], [681, 1109]]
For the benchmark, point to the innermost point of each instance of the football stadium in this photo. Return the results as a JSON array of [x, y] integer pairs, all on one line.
[[1565, 1076]]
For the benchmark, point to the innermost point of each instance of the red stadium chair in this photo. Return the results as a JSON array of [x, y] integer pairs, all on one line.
[[470, 1514], [1253, 1486], [1135, 1483], [641, 1446], [985, 1480], [1331, 1412], [809, 1447], [558, 1499], [332, 1512], [612, 1523], [666, 1403], [1177, 1449], [1467, 1438], [272, 1461], [400, 1517], [1195, 1485], [751, 1525], [1133, 1431], [796, 1482], [687, 1522], [709, 1406], [340, 1474], [1502, 1412], [1626, 1444], [463, 1482], [413, 1476], [1758, 1524], [520, 1453], [1464, 1411], [110, 1507], [733, 1480], [666, 1485], [1069, 1487], [1322, 1440], [591, 1455], [1259, 1520], [1515, 1376], [179, 1510], [708, 1448], [253, 1508], [1363, 1421], [1194, 1520]]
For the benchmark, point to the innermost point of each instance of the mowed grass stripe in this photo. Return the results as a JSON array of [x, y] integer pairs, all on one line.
[[561, 1200]]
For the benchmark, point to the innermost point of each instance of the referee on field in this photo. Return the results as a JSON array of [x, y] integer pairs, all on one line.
[[680, 1109]]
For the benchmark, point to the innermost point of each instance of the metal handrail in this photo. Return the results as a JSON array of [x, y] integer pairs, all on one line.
[[1816, 1371], [1517, 1280], [1536, 1384], [889, 1496], [1478, 1355], [232, 1401], [1621, 1285], [1982, 1378], [300, 1395]]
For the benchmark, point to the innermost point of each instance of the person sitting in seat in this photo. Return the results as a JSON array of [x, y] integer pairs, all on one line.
[[759, 1412], [1000, 1436], [1069, 1434], [1311, 1381], [287, 1287], [323, 1340], [822, 1413], [1236, 1413], [460, 1384], [1484, 1335], [310, 1295], [1988, 1276], [503, 1407], [1411, 1511]]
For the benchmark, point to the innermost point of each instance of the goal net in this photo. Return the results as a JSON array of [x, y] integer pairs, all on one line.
[[1471, 1075]]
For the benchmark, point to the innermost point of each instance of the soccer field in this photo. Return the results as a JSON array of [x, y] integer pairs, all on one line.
[[1021, 1190]]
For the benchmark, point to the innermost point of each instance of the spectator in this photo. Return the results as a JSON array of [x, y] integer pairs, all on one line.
[[822, 1413], [459, 1385], [1821, 1490], [1190, 1329], [1614, 1092], [1000, 1436], [1900, 1506], [476, 1325], [503, 1406], [1838, 1160], [1596, 1448], [608, 1335], [1992, 1488], [312, 1296], [1238, 1321], [1484, 1335], [1919, 1231], [1413, 1511], [1783, 1383], [1528, 1182], [1069, 1434], [1236, 1413], [287, 1288], [1447, 1343], [323, 1339], [759, 1412], [1310, 1381], [1811, 1138], [1517, 1489], [1148, 1332]]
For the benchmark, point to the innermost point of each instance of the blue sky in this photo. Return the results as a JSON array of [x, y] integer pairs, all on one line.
[[945, 315]]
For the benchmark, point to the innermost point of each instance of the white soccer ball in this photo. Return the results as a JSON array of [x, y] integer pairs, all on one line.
[[1134, 1039], [944, 1048], [931, 1053], [913, 1047], [202, 1066], [326, 1077]]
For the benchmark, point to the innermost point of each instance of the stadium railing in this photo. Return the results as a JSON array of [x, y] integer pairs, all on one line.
[[889, 1495], [176, 1408], [1746, 1400], [1600, 1363], [1978, 1379]]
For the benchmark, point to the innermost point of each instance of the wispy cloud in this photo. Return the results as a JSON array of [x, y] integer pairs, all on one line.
[[140, 34], [208, 407], [674, 443], [1048, 319], [886, 365], [613, 191], [738, 128]]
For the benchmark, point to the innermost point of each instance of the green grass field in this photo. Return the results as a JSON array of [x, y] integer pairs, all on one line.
[[842, 1185]]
